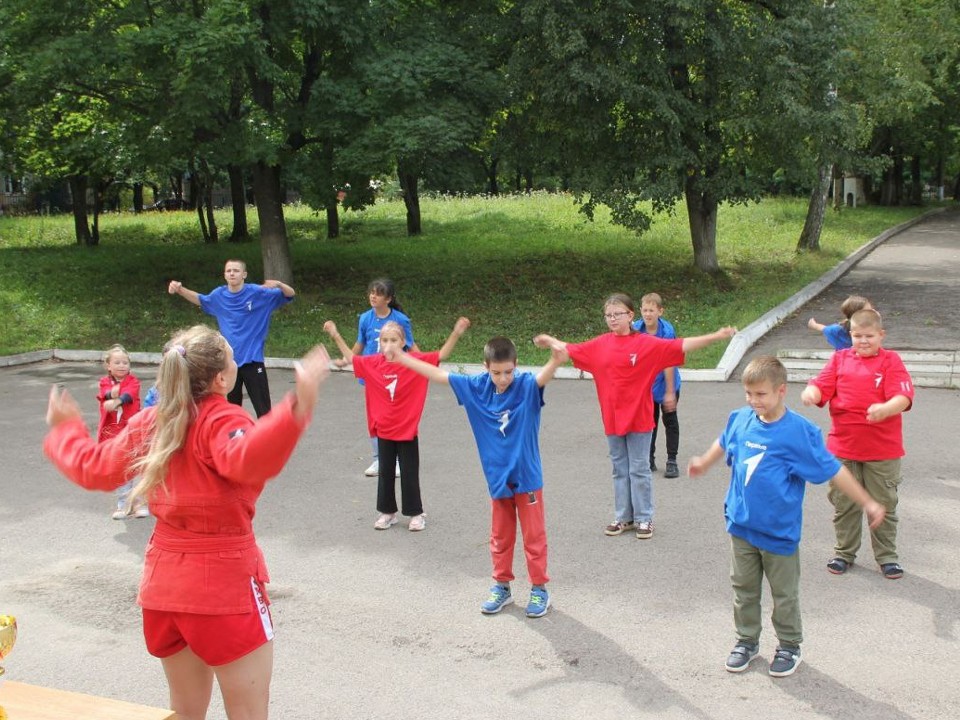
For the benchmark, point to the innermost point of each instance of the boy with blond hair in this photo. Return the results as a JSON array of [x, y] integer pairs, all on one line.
[[772, 453], [666, 386], [868, 389]]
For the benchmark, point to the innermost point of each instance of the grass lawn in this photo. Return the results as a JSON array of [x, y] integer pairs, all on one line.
[[515, 265]]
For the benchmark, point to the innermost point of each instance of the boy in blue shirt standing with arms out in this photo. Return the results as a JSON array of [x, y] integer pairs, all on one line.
[[243, 311], [503, 407], [772, 453], [666, 386]]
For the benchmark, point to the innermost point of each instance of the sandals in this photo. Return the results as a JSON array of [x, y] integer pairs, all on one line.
[[892, 571], [838, 566]]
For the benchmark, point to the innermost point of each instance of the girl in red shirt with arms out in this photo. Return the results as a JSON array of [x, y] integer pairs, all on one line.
[[395, 398], [203, 463]]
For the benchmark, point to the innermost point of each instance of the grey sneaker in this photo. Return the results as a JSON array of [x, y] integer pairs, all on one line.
[[741, 656], [672, 470], [785, 662], [645, 530]]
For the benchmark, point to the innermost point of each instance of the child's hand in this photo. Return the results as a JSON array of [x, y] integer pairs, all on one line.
[[174, 287], [310, 372], [341, 362], [559, 355], [875, 513], [330, 328], [813, 324], [462, 325], [61, 407], [878, 412], [727, 332], [392, 354], [696, 467], [810, 395]]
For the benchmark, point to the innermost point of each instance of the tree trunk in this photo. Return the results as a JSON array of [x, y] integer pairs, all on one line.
[[493, 188], [98, 190], [916, 181], [273, 229], [333, 220], [138, 198], [816, 208], [78, 200], [528, 180], [702, 214], [411, 198], [238, 201]]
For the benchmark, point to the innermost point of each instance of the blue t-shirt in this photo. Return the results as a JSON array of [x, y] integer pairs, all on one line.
[[506, 427], [368, 331], [664, 330], [770, 465], [244, 317], [838, 336]]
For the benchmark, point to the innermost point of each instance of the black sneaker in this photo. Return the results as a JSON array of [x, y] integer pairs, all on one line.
[[785, 662], [892, 571], [741, 656], [672, 471]]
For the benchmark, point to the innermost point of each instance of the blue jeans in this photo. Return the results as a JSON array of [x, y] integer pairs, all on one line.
[[632, 481]]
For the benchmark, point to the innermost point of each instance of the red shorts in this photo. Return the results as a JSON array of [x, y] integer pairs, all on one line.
[[215, 639]]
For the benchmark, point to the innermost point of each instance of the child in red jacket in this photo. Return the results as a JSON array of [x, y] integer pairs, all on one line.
[[119, 397]]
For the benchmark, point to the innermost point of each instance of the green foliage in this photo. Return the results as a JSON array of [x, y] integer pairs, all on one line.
[[516, 265]]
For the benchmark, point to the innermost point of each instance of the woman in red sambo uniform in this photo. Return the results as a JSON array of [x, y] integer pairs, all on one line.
[[203, 463]]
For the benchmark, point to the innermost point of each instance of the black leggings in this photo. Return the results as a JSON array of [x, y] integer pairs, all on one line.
[[408, 452], [672, 425]]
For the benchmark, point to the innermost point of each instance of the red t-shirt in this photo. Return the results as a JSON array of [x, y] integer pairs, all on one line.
[[395, 394], [111, 423], [851, 384], [624, 368]]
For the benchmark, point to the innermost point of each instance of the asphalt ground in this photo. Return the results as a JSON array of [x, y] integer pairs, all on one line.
[[387, 624]]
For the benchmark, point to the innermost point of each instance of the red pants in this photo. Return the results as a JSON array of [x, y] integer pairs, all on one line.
[[503, 536]]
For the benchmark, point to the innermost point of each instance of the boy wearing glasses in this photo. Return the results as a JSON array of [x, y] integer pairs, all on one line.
[[624, 364]]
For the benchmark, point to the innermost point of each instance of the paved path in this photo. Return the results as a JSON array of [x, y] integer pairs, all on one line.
[[386, 624]]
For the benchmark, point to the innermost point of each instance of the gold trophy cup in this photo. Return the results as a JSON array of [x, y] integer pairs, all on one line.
[[8, 636]]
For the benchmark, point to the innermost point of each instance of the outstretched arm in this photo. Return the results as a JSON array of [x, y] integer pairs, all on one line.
[[458, 330], [330, 327], [699, 464], [287, 290], [814, 325], [431, 372], [701, 341], [548, 341], [176, 288], [548, 371]]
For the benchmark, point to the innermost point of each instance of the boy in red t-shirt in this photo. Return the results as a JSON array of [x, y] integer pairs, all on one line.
[[395, 398], [868, 388]]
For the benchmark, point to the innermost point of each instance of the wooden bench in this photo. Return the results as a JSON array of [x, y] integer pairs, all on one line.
[[30, 702]]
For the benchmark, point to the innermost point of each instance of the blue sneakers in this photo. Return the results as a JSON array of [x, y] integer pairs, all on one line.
[[539, 602], [499, 596]]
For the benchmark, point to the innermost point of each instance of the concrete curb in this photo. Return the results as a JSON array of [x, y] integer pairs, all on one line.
[[738, 347]]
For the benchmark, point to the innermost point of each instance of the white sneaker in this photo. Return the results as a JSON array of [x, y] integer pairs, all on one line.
[[417, 523], [142, 511], [373, 470], [120, 514], [385, 521]]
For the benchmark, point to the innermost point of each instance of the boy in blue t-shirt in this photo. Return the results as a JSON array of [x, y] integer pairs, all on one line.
[[503, 407], [243, 311], [666, 386], [772, 453]]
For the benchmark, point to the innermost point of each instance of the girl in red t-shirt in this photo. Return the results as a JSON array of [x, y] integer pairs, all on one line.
[[395, 398]]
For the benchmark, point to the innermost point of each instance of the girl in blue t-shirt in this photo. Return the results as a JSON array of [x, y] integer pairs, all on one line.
[[838, 334], [384, 308]]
